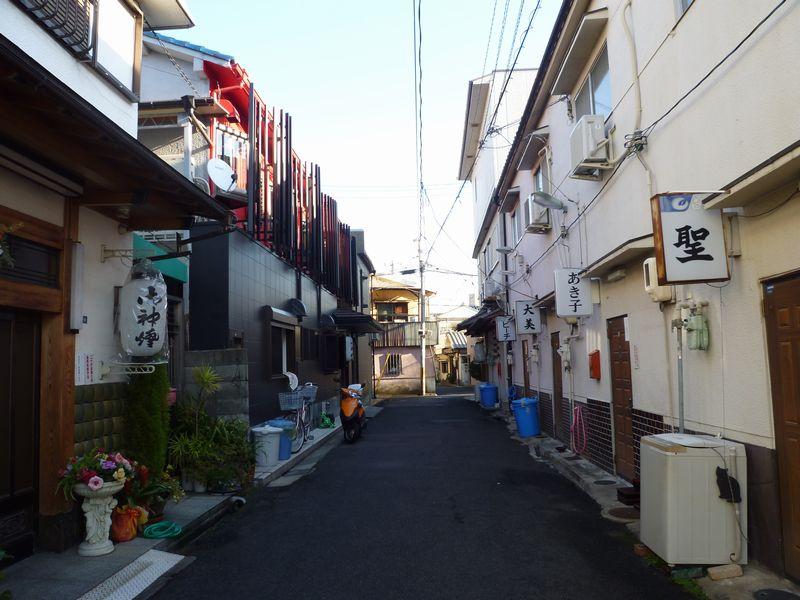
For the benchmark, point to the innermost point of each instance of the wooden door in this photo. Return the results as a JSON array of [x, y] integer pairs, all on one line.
[[19, 427], [782, 311], [558, 390], [622, 399], [526, 377]]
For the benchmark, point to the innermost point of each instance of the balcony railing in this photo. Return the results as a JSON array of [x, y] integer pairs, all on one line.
[[407, 334]]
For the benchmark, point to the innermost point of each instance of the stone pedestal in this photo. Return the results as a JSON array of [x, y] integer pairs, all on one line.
[[97, 508]]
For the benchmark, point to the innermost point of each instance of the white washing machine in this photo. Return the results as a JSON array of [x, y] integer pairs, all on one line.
[[684, 520]]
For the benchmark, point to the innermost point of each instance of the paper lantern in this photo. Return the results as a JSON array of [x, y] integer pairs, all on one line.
[[143, 312]]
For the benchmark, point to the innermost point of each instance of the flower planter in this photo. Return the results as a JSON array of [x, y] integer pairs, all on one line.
[[97, 507]]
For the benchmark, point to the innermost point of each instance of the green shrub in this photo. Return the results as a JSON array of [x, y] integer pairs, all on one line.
[[147, 418]]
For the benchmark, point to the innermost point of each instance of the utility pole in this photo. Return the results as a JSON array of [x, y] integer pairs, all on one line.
[[422, 321]]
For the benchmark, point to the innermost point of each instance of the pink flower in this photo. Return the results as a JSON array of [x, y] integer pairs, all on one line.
[[95, 483], [118, 457]]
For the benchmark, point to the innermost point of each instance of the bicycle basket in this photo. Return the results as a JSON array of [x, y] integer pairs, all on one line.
[[289, 400], [308, 392]]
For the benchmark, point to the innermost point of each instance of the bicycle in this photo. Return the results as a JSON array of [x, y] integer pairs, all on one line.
[[296, 403]]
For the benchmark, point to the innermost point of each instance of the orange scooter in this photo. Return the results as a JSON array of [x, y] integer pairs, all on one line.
[[352, 413]]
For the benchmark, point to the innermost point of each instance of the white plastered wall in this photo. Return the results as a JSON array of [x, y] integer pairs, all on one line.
[[744, 114], [34, 41]]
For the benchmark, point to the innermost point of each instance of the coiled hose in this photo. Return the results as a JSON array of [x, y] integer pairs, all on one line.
[[163, 529]]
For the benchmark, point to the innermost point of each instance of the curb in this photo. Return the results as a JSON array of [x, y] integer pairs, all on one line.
[[193, 529], [294, 460]]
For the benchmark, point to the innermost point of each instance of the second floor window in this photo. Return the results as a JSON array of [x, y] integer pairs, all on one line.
[[594, 98], [392, 312]]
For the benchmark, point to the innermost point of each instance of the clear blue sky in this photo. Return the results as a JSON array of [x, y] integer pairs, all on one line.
[[344, 72]]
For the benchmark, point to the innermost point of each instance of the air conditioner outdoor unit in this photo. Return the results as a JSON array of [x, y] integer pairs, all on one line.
[[588, 147], [491, 287], [658, 293], [539, 221]]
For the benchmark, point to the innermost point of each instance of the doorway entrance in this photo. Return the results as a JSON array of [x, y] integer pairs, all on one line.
[[19, 430], [622, 399], [558, 390], [782, 310]]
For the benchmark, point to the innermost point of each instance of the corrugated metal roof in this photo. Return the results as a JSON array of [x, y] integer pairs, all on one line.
[[458, 340], [189, 46]]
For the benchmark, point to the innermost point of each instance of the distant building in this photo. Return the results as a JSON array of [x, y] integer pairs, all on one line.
[[451, 349], [398, 364]]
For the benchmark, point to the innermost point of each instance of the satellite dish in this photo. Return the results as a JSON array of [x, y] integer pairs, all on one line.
[[548, 201], [221, 174], [292, 380]]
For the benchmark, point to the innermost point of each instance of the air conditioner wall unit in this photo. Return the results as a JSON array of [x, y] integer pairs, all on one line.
[[588, 147], [537, 218], [491, 288]]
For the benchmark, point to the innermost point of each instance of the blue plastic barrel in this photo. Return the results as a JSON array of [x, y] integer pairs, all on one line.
[[488, 395], [526, 414], [285, 447]]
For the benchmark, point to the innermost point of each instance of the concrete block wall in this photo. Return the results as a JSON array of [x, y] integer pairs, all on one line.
[[233, 399]]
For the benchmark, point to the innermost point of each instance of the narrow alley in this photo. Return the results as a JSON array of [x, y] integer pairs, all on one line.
[[435, 502]]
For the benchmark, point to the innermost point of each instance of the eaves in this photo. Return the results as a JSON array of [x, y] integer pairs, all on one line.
[[566, 24]]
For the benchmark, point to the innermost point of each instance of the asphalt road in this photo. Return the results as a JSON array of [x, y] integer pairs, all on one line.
[[435, 501]]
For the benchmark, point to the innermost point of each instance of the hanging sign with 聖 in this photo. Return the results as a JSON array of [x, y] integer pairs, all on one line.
[[573, 293], [527, 317], [689, 240], [143, 313], [505, 329]]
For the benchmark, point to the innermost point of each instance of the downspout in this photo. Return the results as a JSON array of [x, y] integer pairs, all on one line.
[[637, 92]]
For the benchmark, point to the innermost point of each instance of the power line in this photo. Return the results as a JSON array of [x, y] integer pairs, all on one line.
[[650, 128], [489, 41], [489, 128], [514, 37], [500, 37]]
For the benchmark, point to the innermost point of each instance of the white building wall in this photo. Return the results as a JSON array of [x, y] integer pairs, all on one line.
[[161, 80], [97, 336], [39, 45], [745, 113]]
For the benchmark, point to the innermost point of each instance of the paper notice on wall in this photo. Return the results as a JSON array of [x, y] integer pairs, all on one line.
[[84, 368]]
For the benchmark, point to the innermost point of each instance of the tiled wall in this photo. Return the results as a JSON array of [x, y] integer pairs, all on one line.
[[562, 428], [645, 423], [99, 415], [546, 414], [600, 447]]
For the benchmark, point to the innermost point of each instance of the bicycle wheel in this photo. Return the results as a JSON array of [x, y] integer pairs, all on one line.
[[298, 434]]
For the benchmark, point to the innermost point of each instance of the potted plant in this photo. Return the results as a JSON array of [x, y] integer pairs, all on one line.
[[96, 477]]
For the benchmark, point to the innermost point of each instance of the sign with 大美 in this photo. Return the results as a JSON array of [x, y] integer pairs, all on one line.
[[505, 329], [689, 240], [527, 317], [573, 293]]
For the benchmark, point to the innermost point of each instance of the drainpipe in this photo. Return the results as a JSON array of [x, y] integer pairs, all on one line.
[[678, 324]]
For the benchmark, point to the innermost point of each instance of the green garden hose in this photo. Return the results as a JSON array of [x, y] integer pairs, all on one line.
[[164, 529], [326, 421]]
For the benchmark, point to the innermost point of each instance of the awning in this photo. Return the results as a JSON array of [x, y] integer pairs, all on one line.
[[354, 322], [481, 321], [116, 174], [458, 341]]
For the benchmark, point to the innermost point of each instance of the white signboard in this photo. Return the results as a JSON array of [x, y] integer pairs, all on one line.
[[689, 240], [528, 317], [143, 312], [505, 329], [573, 293]]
